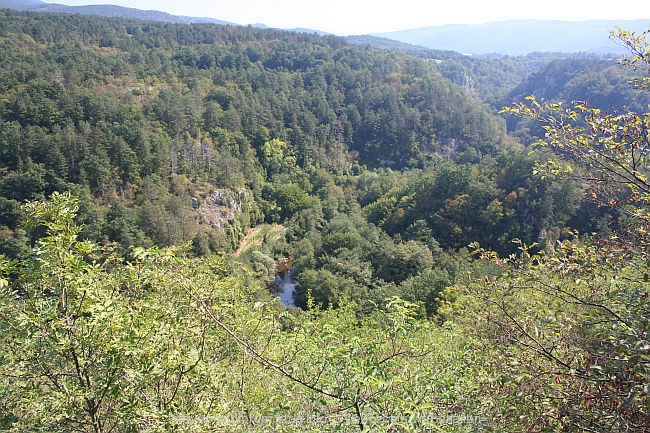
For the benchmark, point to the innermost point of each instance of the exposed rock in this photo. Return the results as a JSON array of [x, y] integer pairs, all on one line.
[[221, 206]]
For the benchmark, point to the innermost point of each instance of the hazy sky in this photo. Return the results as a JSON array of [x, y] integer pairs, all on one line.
[[346, 17]]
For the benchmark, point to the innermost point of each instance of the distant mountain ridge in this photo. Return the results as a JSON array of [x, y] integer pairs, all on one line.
[[513, 37], [108, 10], [519, 37], [105, 10]]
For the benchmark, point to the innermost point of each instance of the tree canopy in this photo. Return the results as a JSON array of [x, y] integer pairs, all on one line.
[[155, 177]]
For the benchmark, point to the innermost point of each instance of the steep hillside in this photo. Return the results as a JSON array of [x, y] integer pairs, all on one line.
[[601, 82], [151, 118]]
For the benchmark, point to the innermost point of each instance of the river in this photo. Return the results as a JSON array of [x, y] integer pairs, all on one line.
[[286, 286]]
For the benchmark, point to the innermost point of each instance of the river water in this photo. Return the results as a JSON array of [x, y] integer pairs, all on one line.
[[286, 286]]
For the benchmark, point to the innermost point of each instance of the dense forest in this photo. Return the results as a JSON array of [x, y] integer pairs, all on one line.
[[459, 266]]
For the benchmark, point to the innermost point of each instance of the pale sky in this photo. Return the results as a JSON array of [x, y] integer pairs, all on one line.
[[352, 17]]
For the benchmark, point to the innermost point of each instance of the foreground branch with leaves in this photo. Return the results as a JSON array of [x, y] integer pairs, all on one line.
[[608, 152], [572, 331], [571, 322], [93, 343]]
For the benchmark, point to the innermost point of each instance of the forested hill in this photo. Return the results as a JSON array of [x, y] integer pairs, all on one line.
[[449, 277], [121, 108], [380, 102]]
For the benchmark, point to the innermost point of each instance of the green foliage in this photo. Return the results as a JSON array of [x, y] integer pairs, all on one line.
[[128, 113], [373, 375], [276, 159], [397, 262], [571, 332], [608, 153], [600, 81], [570, 324], [291, 199], [637, 45], [93, 343], [611, 145], [381, 172]]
